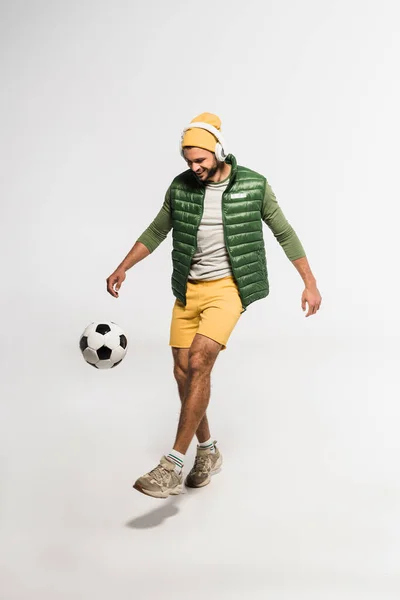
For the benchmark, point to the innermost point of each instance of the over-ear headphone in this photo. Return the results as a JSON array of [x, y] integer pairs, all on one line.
[[220, 149]]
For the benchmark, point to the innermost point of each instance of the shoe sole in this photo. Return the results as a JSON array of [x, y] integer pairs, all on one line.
[[175, 492], [216, 470]]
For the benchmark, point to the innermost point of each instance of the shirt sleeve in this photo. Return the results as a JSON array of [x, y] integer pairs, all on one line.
[[159, 228], [284, 233]]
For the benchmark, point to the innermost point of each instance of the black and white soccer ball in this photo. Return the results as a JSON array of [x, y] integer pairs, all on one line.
[[103, 345]]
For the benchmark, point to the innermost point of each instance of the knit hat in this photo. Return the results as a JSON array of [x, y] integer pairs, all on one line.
[[200, 138]]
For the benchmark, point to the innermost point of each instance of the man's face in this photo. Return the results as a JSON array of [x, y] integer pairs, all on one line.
[[202, 162]]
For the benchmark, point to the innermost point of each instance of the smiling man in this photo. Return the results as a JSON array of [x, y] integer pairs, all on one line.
[[205, 166], [216, 210]]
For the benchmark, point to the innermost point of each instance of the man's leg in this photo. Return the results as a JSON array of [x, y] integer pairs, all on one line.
[[181, 369], [201, 358]]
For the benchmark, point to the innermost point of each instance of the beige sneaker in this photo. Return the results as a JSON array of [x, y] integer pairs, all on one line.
[[206, 464], [161, 481]]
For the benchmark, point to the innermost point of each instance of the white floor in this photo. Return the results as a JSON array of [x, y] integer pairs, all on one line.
[[305, 507]]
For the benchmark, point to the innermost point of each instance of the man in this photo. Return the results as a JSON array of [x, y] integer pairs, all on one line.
[[216, 210]]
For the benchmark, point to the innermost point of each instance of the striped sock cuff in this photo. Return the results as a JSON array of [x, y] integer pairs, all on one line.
[[175, 459], [208, 445]]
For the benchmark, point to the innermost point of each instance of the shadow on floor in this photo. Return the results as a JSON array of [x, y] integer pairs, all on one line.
[[167, 507]]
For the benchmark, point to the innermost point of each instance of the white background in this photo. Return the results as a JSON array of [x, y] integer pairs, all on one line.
[[93, 99]]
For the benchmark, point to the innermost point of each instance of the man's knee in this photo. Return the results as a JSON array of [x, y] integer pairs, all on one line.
[[181, 361], [180, 373]]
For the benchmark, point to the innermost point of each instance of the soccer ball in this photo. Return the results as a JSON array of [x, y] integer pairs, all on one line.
[[103, 345]]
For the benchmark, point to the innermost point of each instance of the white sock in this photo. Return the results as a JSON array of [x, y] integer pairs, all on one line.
[[208, 444], [177, 458]]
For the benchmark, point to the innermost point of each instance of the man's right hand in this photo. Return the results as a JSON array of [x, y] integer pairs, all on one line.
[[114, 282]]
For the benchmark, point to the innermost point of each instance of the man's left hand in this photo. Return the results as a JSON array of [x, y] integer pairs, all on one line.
[[313, 298]]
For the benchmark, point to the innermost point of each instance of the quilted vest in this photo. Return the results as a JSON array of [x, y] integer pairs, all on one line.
[[242, 224]]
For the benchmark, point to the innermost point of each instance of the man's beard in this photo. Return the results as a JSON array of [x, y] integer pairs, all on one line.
[[212, 171]]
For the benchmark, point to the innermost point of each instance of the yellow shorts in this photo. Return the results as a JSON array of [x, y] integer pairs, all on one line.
[[212, 308]]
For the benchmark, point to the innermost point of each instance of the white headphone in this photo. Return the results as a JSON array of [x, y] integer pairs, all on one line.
[[220, 149]]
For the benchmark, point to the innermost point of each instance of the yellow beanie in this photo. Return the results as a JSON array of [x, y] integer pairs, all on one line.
[[200, 138]]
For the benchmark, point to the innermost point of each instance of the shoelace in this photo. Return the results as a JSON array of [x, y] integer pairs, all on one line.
[[201, 463], [159, 474]]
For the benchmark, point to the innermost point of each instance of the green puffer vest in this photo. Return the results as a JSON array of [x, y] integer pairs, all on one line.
[[242, 223]]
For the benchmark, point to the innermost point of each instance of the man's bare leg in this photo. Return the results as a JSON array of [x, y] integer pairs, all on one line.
[[201, 358], [181, 368]]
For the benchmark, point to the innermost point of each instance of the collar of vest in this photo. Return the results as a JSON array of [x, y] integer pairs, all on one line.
[[231, 160]]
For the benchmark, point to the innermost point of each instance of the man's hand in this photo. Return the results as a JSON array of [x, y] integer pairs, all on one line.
[[115, 280], [312, 296]]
